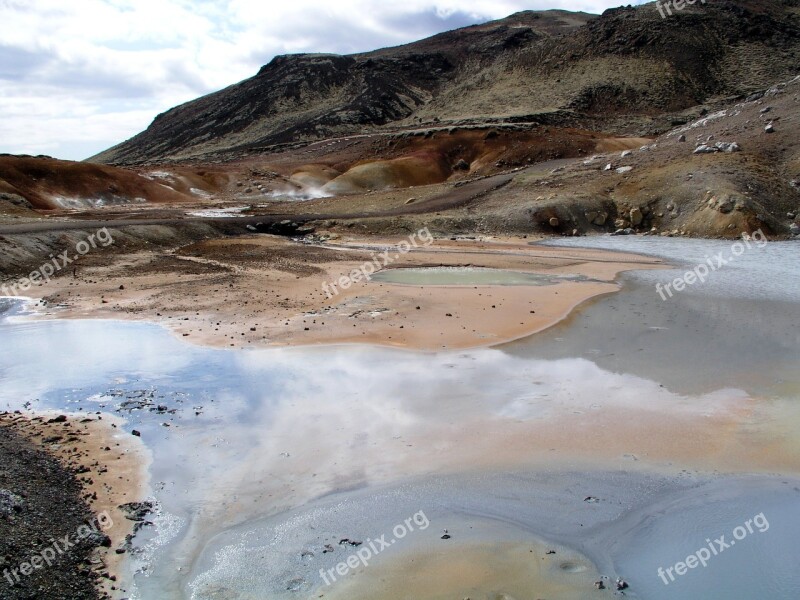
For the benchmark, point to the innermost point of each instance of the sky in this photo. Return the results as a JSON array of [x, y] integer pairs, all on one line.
[[79, 76]]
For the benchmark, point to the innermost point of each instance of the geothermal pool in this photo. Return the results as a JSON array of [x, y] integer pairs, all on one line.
[[461, 276], [620, 440]]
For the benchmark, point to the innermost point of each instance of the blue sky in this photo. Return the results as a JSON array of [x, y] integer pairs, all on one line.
[[77, 77]]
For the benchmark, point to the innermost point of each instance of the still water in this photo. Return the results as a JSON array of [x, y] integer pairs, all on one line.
[[274, 451]]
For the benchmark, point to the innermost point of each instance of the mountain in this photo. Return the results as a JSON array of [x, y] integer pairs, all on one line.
[[627, 72]]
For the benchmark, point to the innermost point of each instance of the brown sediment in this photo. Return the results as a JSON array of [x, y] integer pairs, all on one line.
[[504, 571], [109, 464], [269, 291]]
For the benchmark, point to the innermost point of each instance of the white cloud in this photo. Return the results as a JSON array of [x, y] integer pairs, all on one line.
[[79, 76]]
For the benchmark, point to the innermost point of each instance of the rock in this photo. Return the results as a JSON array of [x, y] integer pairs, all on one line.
[[622, 170], [794, 228], [601, 219], [284, 228], [553, 222], [636, 217], [411, 201], [136, 433], [137, 511], [592, 215], [15, 199], [728, 147], [10, 503], [725, 207], [620, 223], [765, 110], [682, 138], [608, 167], [627, 153], [770, 128], [599, 585], [58, 419], [461, 165], [703, 149], [620, 232], [621, 584], [790, 215]]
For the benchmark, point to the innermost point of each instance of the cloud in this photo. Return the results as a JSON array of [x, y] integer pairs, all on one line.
[[79, 76]]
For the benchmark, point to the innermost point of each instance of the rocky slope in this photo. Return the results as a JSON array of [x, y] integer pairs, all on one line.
[[44, 183], [628, 71]]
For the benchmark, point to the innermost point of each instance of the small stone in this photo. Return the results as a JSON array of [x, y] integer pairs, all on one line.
[[553, 222], [770, 128]]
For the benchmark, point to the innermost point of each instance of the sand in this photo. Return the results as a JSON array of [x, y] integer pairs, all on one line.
[[114, 464], [258, 291]]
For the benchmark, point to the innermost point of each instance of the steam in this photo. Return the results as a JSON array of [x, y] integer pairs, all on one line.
[[306, 193]]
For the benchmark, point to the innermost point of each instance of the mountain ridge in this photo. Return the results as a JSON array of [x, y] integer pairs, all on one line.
[[626, 71]]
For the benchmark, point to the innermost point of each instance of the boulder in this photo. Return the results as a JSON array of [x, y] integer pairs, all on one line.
[[636, 217], [703, 149], [553, 222], [728, 147], [725, 206], [10, 503], [601, 219], [15, 199]]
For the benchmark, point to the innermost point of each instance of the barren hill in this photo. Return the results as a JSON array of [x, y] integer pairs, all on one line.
[[628, 71]]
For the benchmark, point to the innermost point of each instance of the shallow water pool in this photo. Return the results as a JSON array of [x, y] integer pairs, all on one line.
[[469, 276]]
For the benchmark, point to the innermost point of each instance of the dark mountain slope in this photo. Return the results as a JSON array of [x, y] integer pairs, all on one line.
[[624, 72]]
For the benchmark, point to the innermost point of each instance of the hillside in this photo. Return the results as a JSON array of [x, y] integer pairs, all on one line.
[[627, 71]]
